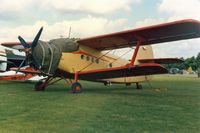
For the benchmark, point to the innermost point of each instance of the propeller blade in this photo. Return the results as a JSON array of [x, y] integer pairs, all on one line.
[[23, 42], [37, 37], [20, 66], [28, 48]]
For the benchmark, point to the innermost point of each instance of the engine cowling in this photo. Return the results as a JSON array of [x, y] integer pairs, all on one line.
[[46, 55]]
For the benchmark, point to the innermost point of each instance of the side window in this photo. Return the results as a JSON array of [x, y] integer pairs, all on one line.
[[87, 58], [92, 60], [110, 65], [82, 57], [97, 61]]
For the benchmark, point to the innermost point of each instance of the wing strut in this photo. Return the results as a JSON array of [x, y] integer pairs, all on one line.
[[139, 41]]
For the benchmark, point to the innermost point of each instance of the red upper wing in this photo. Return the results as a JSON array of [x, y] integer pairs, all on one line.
[[167, 32]]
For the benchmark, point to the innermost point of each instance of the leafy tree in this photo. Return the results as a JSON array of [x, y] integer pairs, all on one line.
[[189, 62], [198, 60]]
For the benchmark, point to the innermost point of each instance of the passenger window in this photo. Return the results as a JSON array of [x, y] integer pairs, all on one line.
[[82, 57], [110, 65], [92, 60], [87, 58], [97, 61]]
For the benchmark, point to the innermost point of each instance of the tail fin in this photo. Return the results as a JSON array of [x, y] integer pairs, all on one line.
[[145, 52]]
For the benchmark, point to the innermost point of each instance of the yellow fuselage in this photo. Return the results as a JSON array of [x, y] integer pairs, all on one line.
[[86, 59]]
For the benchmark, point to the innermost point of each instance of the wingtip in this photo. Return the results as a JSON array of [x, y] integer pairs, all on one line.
[[41, 28]]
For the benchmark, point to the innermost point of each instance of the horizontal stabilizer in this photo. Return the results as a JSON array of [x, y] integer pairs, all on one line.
[[161, 60]]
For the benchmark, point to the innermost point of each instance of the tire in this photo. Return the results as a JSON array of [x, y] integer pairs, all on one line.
[[76, 87], [138, 86], [39, 86]]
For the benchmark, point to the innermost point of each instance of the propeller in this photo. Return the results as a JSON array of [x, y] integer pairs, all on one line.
[[37, 37], [28, 48], [23, 42]]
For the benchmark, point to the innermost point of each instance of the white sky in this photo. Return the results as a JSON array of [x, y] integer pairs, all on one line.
[[94, 17]]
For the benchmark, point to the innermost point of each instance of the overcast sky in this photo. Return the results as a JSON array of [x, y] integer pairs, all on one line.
[[93, 17]]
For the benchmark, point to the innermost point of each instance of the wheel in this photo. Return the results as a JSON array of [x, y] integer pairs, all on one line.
[[105, 83], [39, 86], [76, 87], [128, 84], [138, 86]]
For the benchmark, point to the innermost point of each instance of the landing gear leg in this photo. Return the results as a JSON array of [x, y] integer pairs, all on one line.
[[138, 86]]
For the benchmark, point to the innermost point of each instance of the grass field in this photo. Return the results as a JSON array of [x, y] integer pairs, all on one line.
[[170, 104]]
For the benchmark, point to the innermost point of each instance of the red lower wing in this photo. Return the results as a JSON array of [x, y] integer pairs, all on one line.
[[125, 71], [27, 71], [16, 77]]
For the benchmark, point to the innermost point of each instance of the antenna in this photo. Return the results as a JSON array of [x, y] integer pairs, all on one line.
[[69, 32]]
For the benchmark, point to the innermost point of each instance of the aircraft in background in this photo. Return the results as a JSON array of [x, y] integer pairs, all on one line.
[[84, 59], [12, 56]]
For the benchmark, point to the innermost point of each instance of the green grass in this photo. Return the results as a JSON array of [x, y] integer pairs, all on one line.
[[170, 104]]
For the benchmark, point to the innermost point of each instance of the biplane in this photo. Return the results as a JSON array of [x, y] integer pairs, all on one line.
[[89, 58]]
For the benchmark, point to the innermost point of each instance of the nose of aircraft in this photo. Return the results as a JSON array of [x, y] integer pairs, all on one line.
[[45, 56], [41, 55]]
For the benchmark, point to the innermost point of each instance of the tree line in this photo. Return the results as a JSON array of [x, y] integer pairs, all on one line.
[[193, 62]]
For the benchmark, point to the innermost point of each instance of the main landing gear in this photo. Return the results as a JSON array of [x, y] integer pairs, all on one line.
[[41, 85], [76, 87], [107, 83], [138, 86]]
